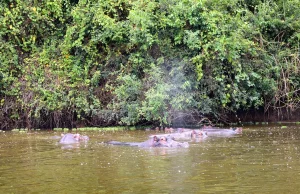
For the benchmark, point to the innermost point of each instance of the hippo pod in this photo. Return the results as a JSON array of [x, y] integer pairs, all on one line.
[[73, 138], [153, 142]]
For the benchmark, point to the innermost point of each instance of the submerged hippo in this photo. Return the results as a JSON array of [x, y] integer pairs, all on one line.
[[153, 142], [176, 130], [185, 135], [170, 142], [223, 132], [73, 138]]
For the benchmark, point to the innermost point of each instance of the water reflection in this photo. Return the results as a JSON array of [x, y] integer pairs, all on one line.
[[261, 160]]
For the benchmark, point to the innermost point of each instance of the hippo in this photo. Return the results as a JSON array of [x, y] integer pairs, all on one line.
[[153, 142], [176, 130], [73, 138], [186, 135], [223, 132], [169, 130], [170, 142]]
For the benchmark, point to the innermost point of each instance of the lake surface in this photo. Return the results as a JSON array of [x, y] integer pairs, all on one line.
[[264, 159]]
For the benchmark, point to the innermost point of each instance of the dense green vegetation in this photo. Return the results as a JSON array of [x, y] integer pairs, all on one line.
[[109, 62]]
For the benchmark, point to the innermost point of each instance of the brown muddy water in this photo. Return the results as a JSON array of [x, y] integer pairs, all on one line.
[[263, 159]]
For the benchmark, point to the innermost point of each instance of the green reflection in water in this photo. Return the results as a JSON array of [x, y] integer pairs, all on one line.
[[261, 160]]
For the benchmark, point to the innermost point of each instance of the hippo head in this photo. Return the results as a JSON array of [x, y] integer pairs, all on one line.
[[72, 138], [238, 130], [198, 134], [84, 138]]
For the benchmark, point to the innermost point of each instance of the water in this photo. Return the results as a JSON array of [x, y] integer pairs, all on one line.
[[261, 160]]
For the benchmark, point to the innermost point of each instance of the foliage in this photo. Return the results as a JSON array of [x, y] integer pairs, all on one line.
[[91, 63]]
